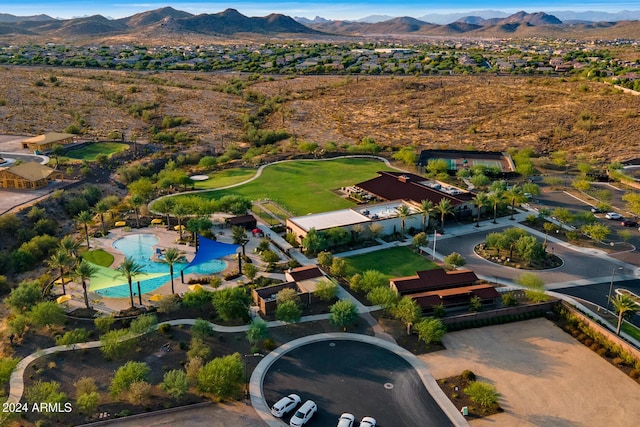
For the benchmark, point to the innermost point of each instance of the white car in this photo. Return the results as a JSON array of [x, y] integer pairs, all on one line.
[[285, 405], [368, 422], [303, 414], [346, 420], [613, 215]]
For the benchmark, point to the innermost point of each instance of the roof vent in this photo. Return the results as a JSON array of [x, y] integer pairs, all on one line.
[[403, 178]]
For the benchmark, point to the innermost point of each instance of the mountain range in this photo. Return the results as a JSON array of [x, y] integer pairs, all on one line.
[[168, 21]]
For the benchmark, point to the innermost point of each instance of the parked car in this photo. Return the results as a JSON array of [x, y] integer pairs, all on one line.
[[303, 414], [613, 215], [346, 420], [595, 210], [628, 223], [285, 405], [368, 422]]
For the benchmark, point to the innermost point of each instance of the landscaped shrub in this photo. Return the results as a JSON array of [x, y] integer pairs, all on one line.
[[468, 375], [164, 328], [269, 344], [482, 393]]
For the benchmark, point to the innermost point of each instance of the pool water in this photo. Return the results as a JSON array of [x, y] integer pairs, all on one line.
[[140, 247]]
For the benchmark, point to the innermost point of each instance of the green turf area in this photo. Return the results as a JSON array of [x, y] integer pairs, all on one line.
[[304, 186], [393, 262], [224, 178], [98, 257], [89, 152]]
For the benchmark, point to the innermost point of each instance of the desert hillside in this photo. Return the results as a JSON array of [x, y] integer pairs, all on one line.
[[484, 112]]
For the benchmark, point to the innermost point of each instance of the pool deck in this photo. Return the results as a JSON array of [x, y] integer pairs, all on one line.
[[167, 239]]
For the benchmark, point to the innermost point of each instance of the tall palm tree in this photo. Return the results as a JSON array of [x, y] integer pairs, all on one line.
[[514, 195], [180, 212], [102, 208], [83, 272], [136, 202], [69, 245], [61, 260], [623, 304], [129, 268], [172, 256], [85, 218], [444, 208], [403, 213], [426, 209], [480, 200], [496, 197]]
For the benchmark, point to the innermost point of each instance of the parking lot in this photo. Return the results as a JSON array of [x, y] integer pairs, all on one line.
[[354, 377]]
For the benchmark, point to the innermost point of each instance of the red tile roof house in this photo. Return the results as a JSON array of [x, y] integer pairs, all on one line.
[[452, 289]]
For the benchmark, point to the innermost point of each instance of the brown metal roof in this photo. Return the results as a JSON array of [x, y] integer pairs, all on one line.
[[406, 186], [305, 273], [429, 280]]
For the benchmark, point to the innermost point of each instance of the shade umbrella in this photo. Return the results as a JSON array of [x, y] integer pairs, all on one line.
[[156, 221], [63, 299], [156, 297], [195, 287], [178, 227]]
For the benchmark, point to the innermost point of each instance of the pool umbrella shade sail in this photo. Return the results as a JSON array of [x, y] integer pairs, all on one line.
[[63, 299], [209, 250]]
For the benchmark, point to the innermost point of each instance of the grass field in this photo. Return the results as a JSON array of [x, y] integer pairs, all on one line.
[[89, 152], [224, 178], [98, 257], [393, 262], [304, 187]]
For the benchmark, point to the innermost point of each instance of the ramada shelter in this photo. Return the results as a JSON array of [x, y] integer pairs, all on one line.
[[301, 279], [385, 214], [27, 176], [415, 188], [46, 141], [452, 289]]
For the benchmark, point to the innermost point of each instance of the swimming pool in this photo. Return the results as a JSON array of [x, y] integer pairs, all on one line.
[[140, 247]]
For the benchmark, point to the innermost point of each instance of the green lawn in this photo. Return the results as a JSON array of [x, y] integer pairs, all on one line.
[[225, 177], [393, 262], [90, 151], [304, 187], [98, 257]]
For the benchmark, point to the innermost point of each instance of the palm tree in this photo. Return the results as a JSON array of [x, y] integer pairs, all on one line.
[[514, 195], [623, 304], [179, 211], [84, 271], [444, 208], [69, 245], [426, 209], [496, 197], [85, 219], [136, 201], [480, 200], [403, 213], [101, 208], [61, 260], [172, 256], [129, 268]]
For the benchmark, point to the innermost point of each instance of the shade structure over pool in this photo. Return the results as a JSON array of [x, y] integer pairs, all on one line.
[[209, 250], [108, 278]]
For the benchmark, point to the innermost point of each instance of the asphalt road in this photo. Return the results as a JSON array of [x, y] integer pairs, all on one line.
[[347, 376], [598, 293], [577, 266]]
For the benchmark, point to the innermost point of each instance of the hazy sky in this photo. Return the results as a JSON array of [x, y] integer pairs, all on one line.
[[330, 9]]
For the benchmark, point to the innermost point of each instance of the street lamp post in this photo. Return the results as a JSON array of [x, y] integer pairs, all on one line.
[[613, 274], [246, 372]]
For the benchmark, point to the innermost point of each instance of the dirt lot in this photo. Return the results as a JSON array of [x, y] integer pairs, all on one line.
[[545, 377]]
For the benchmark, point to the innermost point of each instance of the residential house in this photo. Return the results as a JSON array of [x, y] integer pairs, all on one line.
[[303, 280], [46, 142]]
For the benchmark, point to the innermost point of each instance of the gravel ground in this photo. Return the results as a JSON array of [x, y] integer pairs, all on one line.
[[545, 377]]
